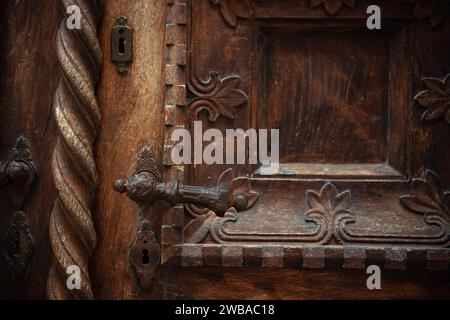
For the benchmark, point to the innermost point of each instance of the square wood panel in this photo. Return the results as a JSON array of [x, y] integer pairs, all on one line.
[[335, 93]]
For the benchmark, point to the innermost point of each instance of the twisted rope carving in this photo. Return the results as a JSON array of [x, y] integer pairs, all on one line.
[[72, 232]]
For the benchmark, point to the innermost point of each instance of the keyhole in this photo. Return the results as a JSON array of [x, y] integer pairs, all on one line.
[[121, 46], [145, 257], [17, 241]]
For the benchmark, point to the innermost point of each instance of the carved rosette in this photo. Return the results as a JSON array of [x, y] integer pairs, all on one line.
[[72, 232], [332, 6], [219, 96], [436, 98]]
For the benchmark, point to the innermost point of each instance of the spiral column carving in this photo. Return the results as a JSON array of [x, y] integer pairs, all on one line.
[[72, 233]]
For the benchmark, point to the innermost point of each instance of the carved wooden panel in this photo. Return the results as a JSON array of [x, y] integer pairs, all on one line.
[[345, 100], [359, 171]]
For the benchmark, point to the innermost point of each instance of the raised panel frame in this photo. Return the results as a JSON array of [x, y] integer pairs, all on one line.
[[394, 252]]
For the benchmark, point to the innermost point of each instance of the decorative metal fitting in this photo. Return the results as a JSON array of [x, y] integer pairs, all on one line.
[[17, 175], [145, 187]]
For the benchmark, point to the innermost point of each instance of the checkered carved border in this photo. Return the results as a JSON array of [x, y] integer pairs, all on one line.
[[309, 257], [175, 102]]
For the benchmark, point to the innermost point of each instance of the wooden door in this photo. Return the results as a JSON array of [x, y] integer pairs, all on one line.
[[363, 178]]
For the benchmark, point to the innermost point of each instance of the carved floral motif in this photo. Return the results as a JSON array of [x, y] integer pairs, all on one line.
[[219, 96], [436, 98], [428, 197], [332, 6], [325, 207]]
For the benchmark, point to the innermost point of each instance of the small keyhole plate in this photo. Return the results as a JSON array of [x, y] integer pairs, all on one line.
[[145, 255], [122, 44]]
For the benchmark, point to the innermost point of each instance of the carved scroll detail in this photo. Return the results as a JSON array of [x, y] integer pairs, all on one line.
[[430, 200], [332, 6], [18, 174], [219, 96], [330, 218], [325, 207], [72, 232], [436, 98]]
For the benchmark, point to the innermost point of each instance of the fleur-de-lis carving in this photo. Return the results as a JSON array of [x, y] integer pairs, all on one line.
[[327, 207], [428, 197], [219, 96], [332, 6], [436, 98], [328, 201]]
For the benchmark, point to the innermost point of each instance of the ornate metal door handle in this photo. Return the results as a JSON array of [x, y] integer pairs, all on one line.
[[16, 176], [145, 187]]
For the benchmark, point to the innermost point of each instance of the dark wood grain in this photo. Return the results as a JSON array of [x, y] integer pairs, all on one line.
[[352, 137], [132, 116], [29, 77], [290, 284]]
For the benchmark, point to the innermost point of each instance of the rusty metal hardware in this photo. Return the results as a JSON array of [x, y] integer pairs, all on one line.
[[145, 187], [16, 177], [122, 44]]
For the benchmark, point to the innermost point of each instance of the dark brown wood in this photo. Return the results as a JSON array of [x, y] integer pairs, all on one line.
[[364, 177], [291, 284], [342, 97], [29, 77], [132, 116]]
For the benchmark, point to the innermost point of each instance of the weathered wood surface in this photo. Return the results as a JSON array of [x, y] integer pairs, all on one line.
[[30, 74], [289, 284], [132, 115], [132, 109]]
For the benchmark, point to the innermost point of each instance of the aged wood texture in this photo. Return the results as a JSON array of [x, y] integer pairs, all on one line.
[[72, 231], [291, 284], [28, 80], [342, 99], [132, 108], [133, 114]]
